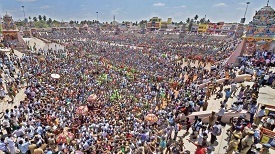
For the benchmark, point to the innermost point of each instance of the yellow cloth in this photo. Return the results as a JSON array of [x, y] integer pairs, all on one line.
[[233, 146]]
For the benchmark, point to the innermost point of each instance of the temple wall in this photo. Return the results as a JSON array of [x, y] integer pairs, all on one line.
[[232, 59], [21, 40]]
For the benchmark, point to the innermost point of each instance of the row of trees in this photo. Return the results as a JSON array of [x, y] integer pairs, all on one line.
[[41, 18], [194, 20], [42, 21]]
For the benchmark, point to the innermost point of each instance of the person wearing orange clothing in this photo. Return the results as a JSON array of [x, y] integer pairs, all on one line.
[[201, 149]]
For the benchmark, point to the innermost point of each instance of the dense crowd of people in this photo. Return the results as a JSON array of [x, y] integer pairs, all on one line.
[[126, 94]]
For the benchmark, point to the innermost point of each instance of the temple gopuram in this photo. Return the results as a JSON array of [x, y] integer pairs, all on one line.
[[260, 34], [9, 31], [11, 35]]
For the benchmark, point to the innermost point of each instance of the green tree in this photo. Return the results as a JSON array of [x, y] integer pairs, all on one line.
[[196, 17], [202, 20], [187, 20], [34, 19], [143, 23], [190, 26], [56, 23], [41, 24], [30, 18], [39, 17], [44, 18], [90, 22], [71, 22], [50, 20], [19, 23], [191, 23]]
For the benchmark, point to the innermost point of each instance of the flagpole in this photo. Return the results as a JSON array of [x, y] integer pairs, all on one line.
[[97, 16], [24, 12]]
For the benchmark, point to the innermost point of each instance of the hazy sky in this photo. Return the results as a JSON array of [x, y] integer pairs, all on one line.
[[133, 10]]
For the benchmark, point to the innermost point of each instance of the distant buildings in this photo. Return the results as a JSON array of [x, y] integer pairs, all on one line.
[[228, 28], [194, 28], [202, 28], [215, 28], [156, 23], [219, 28]]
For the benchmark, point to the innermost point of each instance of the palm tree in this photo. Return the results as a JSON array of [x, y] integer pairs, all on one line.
[[190, 26], [44, 18], [71, 22], [50, 21], [196, 17], [188, 20], [39, 17], [34, 19]]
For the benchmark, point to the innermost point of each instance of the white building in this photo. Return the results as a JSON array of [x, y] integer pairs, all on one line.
[[228, 28]]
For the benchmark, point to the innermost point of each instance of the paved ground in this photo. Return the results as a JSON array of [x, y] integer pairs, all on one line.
[[19, 97], [266, 96], [39, 44]]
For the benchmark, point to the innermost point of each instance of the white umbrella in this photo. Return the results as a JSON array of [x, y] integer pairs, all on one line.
[[55, 76]]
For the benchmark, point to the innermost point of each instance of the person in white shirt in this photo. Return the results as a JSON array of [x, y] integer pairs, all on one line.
[[221, 112], [10, 144], [3, 146], [234, 88], [23, 146], [19, 132], [6, 124], [16, 112], [267, 61], [266, 77], [240, 107], [269, 124], [237, 106], [2, 91], [259, 116]]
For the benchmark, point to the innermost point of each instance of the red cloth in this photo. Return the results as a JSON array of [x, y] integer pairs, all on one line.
[[200, 150]]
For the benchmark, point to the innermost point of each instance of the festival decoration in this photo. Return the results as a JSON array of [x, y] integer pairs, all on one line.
[[64, 137], [151, 118], [82, 110], [55, 76]]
